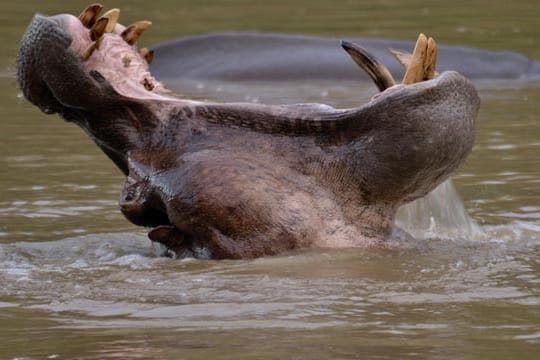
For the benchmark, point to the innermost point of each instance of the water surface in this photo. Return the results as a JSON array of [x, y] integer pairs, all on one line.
[[78, 281]]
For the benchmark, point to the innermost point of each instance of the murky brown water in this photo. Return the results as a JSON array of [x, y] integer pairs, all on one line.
[[78, 281]]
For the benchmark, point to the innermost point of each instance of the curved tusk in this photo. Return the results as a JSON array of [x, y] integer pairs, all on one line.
[[378, 72], [90, 49], [148, 55], [113, 16], [89, 15], [132, 33], [403, 58], [98, 29]]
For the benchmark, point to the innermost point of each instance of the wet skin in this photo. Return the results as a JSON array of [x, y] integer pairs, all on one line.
[[240, 180]]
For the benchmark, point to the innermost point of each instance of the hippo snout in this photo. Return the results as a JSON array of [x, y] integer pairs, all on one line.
[[45, 62], [41, 46]]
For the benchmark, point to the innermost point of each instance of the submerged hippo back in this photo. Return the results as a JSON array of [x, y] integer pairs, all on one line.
[[245, 56]]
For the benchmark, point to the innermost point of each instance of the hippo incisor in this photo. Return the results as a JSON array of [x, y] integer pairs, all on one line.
[[242, 180]]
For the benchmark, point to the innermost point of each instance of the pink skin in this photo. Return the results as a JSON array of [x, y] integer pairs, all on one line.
[[117, 61]]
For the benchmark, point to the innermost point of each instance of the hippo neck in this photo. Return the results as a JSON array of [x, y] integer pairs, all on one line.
[[117, 127]]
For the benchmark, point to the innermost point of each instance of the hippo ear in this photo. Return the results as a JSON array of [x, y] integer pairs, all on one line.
[[378, 72]]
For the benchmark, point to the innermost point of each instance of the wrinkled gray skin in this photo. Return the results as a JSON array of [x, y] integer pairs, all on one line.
[[244, 180], [245, 56]]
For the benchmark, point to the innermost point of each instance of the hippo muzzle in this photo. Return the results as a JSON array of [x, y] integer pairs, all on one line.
[[245, 180]]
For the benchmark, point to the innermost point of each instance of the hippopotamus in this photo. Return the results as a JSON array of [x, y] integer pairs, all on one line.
[[243, 180], [251, 56]]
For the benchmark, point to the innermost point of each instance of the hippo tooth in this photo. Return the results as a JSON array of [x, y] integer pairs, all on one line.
[[132, 33], [148, 55], [378, 72], [403, 58], [431, 59], [113, 16], [98, 29], [89, 15], [415, 70], [90, 49]]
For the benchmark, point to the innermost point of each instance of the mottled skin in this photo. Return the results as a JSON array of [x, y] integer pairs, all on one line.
[[243, 180]]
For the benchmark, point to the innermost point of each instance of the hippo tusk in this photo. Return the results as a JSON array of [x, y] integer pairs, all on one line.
[[113, 16], [98, 29], [431, 60], [422, 61], [132, 33], [89, 15], [378, 72], [90, 49], [415, 70], [404, 58], [148, 55]]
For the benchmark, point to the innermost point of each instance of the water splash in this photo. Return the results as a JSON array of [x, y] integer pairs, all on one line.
[[439, 214]]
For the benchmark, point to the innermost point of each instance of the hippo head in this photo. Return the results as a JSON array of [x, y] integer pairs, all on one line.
[[246, 180]]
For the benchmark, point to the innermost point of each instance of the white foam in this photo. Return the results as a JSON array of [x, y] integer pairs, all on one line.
[[440, 214]]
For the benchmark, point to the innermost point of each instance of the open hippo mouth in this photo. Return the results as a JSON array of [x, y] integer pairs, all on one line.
[[240, 180]]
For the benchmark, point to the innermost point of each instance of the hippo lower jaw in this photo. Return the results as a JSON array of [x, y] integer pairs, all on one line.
[[244, 180]]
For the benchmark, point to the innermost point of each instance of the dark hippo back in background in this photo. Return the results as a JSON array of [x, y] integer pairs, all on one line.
[[245, 56]]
